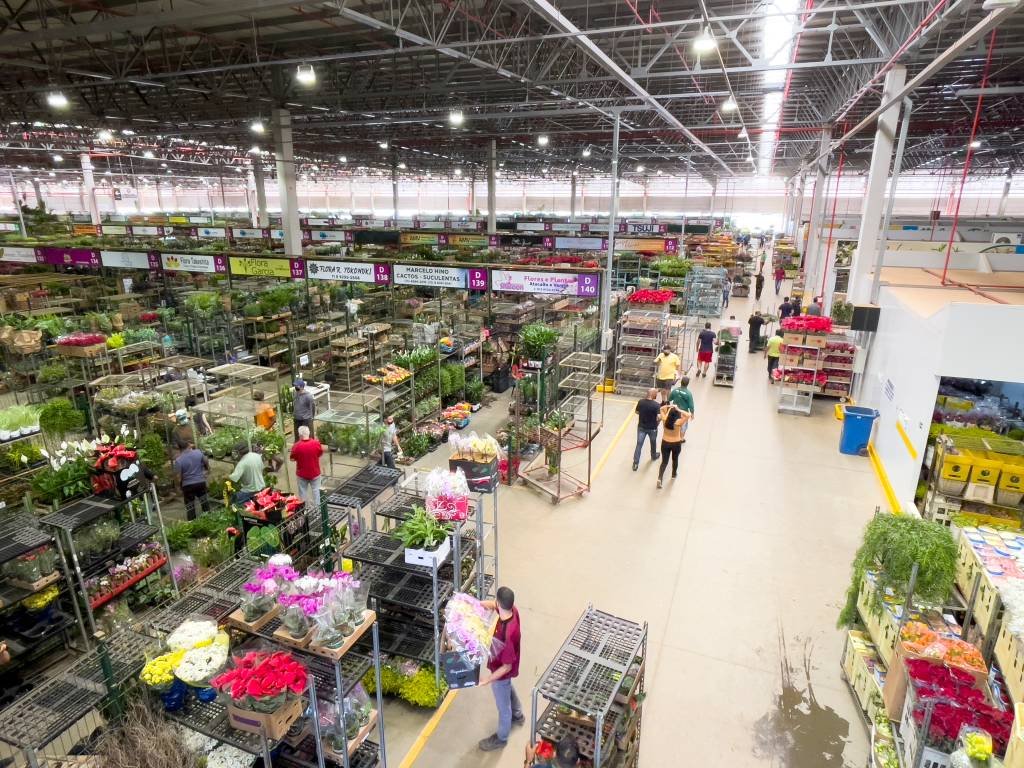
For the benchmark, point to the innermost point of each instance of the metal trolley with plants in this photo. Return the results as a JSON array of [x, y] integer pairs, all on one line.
[[593, 690]]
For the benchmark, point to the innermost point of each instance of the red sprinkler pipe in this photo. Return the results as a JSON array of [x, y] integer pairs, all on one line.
[[970, 152], [831, 224]]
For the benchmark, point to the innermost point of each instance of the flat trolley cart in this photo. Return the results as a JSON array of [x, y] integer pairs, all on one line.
[[725, 360]]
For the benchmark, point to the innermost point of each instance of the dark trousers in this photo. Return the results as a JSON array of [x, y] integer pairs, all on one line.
[[773, 363], [303, 423], [387, 459], [645, 434], [669, 449], [191, 494], [778, 287], [757, 291]]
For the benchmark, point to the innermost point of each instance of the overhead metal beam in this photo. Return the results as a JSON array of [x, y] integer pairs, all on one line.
[[992, 90], [555, 17]]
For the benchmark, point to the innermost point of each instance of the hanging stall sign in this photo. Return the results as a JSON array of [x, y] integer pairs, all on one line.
[[249, 234], [138, 231], [18, 255], [533, 226], [331, 235], [648, 245], [576, 243], [470, 241], [113, 229], [72, 257], [277, 234], [258, 267], [417, 238], [193, 262], [345, 271], [130, 260], [435, 277], [10, 226], [200, 220], [637, 229], [211, 232], [316, 222], [178, 220], [558, 283], [476, 279]]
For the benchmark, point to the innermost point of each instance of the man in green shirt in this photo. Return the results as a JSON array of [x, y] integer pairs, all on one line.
[[248, 474], [682, 398]]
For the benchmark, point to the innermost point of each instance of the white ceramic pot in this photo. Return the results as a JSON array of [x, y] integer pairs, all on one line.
[[5, 434]]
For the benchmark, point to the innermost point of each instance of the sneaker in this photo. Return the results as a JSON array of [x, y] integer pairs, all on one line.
[[491, 743], [635, 465], [659, 482], [655, 457], [673, 475], [518, 720]]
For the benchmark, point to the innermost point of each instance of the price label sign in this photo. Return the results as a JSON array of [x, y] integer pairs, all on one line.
[[381, 274], [477, 279]]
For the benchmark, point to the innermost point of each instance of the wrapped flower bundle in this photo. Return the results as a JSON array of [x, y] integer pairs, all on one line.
[[262, 682], [469, 626], [447, 494]]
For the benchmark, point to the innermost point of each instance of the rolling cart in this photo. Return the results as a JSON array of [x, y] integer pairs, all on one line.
[[725, 361]]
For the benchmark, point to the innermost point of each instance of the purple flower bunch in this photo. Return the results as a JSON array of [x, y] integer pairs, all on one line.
[[261, 587], [279, 573], [310, 604]]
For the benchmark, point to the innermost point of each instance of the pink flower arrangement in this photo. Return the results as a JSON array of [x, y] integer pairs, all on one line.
[[79, 339], [807, 324]]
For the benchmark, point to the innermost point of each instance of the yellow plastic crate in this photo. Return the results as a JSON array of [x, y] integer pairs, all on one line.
[[984, 471], [1011, 477], [956, 467]]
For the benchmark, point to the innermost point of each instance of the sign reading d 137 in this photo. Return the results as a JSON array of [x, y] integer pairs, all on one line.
[[436, 277]]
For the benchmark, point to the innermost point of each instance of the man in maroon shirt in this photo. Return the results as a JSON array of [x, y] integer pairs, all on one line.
[[306, 454], [502, 667]]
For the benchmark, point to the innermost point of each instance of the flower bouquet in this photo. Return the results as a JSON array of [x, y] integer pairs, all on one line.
[[192, 633], [158, 673], [447, 494], [265, 692], [203, 662], [271, 505], [25, 568], [469, 627], [341, 611]]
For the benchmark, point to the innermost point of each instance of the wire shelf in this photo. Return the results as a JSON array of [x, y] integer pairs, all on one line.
[[377, 548], [127, 654], [354, 667], [211, 719], [73, 516], [38, 718], [405, 640], [132, 535], [19, 535], [406, 589]]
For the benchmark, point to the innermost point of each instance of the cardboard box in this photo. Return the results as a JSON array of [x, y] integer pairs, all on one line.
[[818, 340], [428, 557], [274, 724], [459, 672], [791, 337]]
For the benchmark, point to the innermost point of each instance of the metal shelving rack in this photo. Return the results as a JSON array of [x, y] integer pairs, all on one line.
[[704, 291], [593, 688], [799, 398], [78, 514], [362, 491], [641, 336]]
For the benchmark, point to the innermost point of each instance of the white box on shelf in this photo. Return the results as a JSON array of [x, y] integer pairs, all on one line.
[[428, 557]]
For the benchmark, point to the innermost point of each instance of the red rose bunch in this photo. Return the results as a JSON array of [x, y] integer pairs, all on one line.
[[148, 317], [79, 339], [259, 675], [807, 324], [651, 296]]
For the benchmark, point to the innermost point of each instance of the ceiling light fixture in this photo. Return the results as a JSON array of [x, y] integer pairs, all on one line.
[[58, 159], [25, 168], [456, 118], [742, 134], [51, 174], [705, 42], [458, 171], [305, 74], [342, 159], [148, 155], [163, 165], [254, 150], [586, 152], [639, 169], [976, 144], [729, 105], [256, 126], [57, 100], [542, 140], [105, 135], [127, 132], [382, 144], [401, 166]]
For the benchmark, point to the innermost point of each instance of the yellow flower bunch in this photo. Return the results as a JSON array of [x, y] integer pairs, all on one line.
[[159, 672], [41, 600]]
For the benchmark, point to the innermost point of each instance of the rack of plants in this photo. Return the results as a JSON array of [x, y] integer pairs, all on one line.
[[237, 619], [125, 586], [336, 653], [353, 743]]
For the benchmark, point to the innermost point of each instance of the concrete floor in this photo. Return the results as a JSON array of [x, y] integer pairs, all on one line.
[[739, 567]]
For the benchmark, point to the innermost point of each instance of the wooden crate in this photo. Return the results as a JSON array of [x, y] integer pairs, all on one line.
[[336, 653], [966, 567], [1009, 653], [237, 619]]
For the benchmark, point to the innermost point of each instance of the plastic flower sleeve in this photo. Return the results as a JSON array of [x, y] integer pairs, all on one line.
[[195, 631], [447, 495], [469, 627], [258, 594], [203, 662]]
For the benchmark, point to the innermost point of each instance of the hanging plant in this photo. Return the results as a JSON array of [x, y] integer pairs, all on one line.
[[892, 545]]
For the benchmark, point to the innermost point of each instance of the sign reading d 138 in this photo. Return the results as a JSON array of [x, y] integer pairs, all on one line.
[[345, 271], [436, 277]]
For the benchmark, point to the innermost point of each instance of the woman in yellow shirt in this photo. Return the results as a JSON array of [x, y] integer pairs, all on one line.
[[672, 420], [772, 350]]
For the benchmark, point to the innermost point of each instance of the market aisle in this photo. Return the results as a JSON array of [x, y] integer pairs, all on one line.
[[739, 566]]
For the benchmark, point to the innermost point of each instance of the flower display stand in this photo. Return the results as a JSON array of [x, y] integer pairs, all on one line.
[[237, 619], [354, 743], [274, 725], [282, 635], [369, 617]]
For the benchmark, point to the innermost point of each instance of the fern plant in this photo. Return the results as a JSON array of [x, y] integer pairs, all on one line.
[[421, 531]]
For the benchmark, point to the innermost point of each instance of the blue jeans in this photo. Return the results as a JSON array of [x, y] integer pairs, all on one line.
[[241, 497], [508, 706], [310, 491], [644, 434]]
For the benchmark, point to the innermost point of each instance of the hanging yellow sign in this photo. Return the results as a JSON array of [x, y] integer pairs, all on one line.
[[242, 265], [417, 238], [468, 241]]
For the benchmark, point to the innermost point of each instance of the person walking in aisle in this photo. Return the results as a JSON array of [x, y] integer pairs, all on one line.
[[503, 667], [795, 304], [726, 291], [248, 473], [191, 467], [668, 364], [305, 407], [785, 308], [754, 326], [705, 349], [647, 410], [682, 398], [758, 286], [780, 275], [671, 438], [814, 308], [772, 350], [306, 454], [389, 442]]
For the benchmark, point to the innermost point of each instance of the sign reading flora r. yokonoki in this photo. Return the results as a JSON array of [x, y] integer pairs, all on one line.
[[347, 271], [437, 277], [560, 283]]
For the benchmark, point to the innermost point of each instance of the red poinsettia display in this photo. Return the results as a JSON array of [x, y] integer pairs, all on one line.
[[807, 324], [148, 317], [270, 499], [260, 677], [651, 296], [79, 339]]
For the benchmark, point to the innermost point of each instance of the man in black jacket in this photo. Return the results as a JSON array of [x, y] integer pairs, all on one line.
[[647, 410]]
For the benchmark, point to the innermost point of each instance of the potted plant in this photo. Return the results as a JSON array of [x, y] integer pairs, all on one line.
[[425, 539], [537, 340]]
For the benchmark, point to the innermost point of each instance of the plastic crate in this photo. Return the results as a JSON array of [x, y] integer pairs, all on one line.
[[941, 509], [1015, 748], [911, 734]]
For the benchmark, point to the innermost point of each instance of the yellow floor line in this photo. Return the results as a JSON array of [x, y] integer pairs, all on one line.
[[883, 479], [428, 731], [435, 719]]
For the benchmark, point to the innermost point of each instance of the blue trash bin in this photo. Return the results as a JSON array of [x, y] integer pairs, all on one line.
[[857, 424]]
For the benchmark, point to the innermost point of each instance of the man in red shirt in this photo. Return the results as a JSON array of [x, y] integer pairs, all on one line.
[[306, 454], [502, 667]]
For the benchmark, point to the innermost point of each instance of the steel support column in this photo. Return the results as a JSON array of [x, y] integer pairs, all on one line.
[[817, 213], [286, 188], [394, 193], [787, 203], [883, 236], [89, 188], [17, 204], [472, 195], [492, 195], [798, 208], [39, 193], [250, 198], [572, 197], [613, 214], [874, 194], [1001, 211]]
